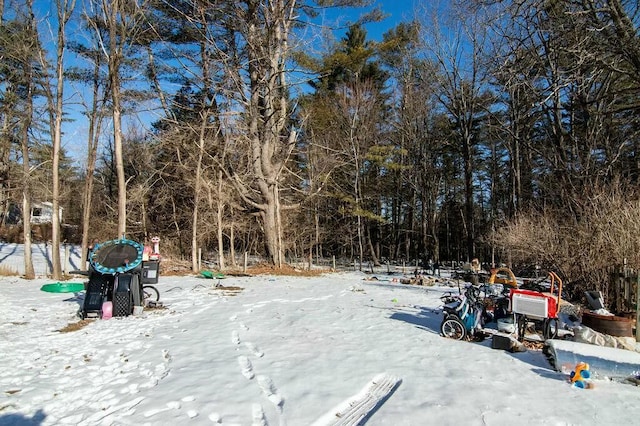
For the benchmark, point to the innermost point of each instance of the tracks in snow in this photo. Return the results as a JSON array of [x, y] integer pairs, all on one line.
[[264, 382], [354, 411]]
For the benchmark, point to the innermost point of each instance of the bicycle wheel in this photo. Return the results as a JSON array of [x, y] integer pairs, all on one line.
[[150, 293], [453, 328]]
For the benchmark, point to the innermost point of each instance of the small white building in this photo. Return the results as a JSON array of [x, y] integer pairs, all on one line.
[[43, 213]]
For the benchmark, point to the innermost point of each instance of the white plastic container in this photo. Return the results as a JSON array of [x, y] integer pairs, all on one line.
[[506, 325]]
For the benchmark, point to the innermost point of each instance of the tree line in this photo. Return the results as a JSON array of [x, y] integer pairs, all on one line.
[[492, 129]]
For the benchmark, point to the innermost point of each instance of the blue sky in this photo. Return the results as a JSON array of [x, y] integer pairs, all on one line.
[[396, 11]]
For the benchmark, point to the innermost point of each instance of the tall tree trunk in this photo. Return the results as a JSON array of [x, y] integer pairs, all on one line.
[[359, 221], [25, 124], [219, 219], [117, 142], [468, 194], [122, 184], [205, 114], [29, 272], [5, 157], [316, 229], [114, 14], [271, 220], [232, 243], [375, 260], [64, 9], [5, 141], [433, 231], [271, 141], [95, 127], [196, 196]]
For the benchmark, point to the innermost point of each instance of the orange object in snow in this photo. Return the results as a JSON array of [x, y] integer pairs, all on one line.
[[510, 280]]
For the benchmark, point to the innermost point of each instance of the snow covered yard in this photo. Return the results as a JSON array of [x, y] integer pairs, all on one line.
[[12, 258], [280, 350]]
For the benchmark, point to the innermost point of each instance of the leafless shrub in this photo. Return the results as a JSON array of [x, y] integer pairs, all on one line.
[[11, 234], [602, 231]]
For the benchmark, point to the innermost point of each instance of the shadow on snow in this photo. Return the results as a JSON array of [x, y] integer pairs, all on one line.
[[22, 420]]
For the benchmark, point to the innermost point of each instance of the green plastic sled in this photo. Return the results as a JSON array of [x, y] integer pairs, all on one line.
[[63, 287], [211, 275]]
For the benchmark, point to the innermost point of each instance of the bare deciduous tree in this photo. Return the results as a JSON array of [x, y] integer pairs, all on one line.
[[55, 104], [266, 29], [28, 74], [117, 25], [461, 88]]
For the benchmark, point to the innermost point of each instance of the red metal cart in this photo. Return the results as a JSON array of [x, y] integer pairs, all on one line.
[[538, 308]]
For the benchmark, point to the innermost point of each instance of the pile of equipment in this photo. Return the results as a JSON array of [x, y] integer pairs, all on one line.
[[117, 271]]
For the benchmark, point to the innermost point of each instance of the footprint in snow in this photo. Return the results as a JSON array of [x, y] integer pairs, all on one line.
[[245, 367], [235, 337], [161, 371], [254, 349], [257, 414], [152, 382], [166, 355], [270, 391]]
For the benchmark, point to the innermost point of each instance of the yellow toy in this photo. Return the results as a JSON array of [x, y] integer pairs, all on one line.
[[580, 375], [498, 278]]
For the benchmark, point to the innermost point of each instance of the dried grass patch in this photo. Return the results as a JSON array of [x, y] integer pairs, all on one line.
[[75, 326], [288, 270], [533, 346], [229, 290], [150, 308], [171, 267], [6, 271]]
